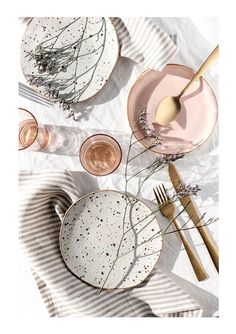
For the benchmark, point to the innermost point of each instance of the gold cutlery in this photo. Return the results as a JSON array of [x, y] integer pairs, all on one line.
[[167, 209], [191, 209], [170, 106]]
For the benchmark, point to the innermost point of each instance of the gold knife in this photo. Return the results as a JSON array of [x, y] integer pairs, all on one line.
[[191, 209]]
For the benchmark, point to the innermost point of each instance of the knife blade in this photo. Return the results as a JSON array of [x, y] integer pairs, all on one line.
[[194, 215]]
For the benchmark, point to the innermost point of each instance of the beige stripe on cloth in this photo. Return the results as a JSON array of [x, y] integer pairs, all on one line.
[[44, 198], [144, 42]]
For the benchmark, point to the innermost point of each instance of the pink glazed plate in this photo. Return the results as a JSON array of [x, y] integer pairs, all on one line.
[[196, 119]]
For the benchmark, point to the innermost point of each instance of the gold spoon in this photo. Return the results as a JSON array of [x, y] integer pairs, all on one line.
[[169, 107]]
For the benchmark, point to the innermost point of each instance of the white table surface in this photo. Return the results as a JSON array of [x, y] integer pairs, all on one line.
[[200, 167]]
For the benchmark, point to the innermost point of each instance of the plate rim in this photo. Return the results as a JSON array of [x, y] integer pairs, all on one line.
[[201, 78], [55, 100], [60, 237]]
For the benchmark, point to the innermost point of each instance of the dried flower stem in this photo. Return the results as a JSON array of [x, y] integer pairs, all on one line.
[[159, 163], [52, 61]]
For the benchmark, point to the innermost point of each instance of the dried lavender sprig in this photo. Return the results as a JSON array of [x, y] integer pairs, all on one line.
[[128, 159], [166, 159], [159, 163], [143, 123], [52, 60], [187, 189]]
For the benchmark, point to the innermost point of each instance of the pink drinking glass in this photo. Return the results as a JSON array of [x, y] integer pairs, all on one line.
[[100, 154], [32, 135]]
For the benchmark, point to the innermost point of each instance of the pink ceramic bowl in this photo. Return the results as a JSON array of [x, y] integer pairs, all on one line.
[[196, 119]]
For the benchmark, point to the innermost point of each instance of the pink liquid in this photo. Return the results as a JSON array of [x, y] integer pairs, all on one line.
[[101, 157], [27, 133]]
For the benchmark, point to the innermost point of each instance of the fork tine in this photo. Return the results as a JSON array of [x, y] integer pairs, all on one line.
[[163, 193], [162, 199], [164, 188], [157, 197]]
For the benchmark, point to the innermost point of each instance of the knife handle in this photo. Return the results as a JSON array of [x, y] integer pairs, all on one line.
[[196, 264], [210, 244]]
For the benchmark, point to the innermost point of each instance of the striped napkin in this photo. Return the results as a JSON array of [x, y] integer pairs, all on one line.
[[144, 42], [44, 198]]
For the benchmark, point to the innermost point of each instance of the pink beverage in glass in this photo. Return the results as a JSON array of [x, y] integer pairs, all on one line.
[[100, 154], [31, 134]]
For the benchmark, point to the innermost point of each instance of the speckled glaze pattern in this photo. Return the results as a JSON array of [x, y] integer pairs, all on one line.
[[97, 54], [91, 236]]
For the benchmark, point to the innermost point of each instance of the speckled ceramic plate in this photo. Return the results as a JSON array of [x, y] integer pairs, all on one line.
[[69, 58], [92, 235]]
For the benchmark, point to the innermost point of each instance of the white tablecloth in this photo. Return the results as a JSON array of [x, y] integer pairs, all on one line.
[[109, 112]]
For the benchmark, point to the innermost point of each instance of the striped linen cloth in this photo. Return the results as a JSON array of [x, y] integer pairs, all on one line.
[[44, 198], [144, 42]]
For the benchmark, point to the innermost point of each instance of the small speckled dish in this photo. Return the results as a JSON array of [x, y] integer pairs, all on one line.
[[101, 225]]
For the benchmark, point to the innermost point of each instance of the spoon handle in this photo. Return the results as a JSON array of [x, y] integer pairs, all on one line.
[[209, 61]]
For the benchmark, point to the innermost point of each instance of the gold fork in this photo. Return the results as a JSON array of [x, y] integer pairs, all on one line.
[[168, 210]]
